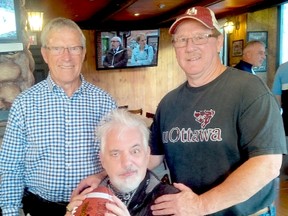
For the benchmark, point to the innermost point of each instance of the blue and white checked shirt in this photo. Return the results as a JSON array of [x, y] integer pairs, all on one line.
[[49, 143]]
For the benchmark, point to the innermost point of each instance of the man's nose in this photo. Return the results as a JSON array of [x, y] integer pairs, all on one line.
[[126, 159]]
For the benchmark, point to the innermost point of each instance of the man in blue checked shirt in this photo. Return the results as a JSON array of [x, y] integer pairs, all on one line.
[[49, 143]]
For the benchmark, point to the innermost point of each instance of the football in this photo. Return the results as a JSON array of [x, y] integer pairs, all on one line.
[[94, 204]]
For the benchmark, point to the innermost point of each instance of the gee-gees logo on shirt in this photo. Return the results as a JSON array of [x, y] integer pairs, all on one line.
[[204, 117]]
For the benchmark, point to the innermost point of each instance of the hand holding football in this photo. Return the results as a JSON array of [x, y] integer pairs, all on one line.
[[94, 204]]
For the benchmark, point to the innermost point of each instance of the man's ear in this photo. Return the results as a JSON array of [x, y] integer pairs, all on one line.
[[44, 54], [220, 41], [148, 150], [101, 159]]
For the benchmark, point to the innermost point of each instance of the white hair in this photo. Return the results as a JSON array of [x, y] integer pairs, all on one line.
[[121, 118], [117, 38]]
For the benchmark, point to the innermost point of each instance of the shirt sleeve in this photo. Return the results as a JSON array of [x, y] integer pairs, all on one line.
[[262, 132], [156, 143], [276, 89], [11, 164]]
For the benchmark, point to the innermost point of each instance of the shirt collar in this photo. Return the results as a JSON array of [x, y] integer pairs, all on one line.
[[52, 85]]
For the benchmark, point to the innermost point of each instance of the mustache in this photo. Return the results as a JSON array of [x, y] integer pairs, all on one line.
[[128, 170]]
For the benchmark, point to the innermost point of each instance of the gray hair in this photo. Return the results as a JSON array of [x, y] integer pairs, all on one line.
[[117, 38], [59, 23], [251, 44], [121, 118]]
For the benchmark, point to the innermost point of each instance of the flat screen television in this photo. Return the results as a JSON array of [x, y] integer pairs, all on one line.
[[146, 56], [10, 29]]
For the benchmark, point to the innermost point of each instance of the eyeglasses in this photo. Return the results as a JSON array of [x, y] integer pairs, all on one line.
[[76, 50], [198, 39]]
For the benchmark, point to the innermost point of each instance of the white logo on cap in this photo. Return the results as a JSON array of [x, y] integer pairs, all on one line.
[[192, 11]]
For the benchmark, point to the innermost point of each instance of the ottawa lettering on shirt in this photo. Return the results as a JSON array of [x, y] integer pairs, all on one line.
[[188, 135]]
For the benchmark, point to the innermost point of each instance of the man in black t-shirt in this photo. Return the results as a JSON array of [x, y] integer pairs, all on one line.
[[220, 132]]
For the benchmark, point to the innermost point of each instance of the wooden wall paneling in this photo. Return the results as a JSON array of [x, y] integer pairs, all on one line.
[[239, 34]]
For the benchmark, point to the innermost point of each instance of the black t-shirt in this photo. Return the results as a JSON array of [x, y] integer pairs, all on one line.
[[207, 132]]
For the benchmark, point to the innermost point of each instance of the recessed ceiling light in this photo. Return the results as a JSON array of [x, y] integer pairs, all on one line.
[[136, 14], [162, 6]]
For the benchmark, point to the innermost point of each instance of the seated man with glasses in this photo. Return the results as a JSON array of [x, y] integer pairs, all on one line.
[[124, 154], [50, 130], [117, 56]]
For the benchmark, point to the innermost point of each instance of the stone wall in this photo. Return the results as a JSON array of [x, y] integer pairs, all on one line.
[[16, 74]]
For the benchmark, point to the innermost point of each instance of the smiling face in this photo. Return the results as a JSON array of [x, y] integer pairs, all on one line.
[[64, 68], [197, 60], [125, 158]]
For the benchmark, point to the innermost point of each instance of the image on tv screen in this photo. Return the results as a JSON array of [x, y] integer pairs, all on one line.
[[124, 49], [7, 20]]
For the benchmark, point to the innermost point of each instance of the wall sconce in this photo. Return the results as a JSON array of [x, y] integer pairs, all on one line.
[[35, 20], [237, 23], [229, 27]]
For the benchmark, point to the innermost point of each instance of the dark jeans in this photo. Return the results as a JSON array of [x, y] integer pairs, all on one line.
[[37, 206]]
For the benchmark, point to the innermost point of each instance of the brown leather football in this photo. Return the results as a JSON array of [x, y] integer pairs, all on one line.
[[94, 204]]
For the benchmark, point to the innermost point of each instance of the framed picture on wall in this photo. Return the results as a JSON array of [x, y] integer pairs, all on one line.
[[32, 38], [237, 47], [258, 35]]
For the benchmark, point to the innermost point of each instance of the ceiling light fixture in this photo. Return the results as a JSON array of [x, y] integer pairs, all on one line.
[[136, 14], [161, 6]]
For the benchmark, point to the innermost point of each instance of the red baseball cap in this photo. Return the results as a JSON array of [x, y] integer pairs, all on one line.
[[201, 14]]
